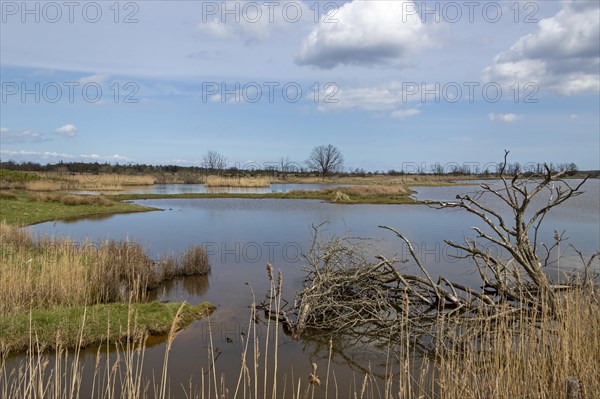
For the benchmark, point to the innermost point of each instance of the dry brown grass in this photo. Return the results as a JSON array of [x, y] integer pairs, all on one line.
[[71, 199], [227, 181], [101, 182], [516, 356], [375, 191], [49, 272], [508, 357], [361, 193], [194, 261]]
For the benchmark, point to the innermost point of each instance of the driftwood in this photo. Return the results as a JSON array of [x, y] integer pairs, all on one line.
[[346, 292]]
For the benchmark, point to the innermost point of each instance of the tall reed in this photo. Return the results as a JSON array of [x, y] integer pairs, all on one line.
[[47, 272], [515, 355], [233, 181]]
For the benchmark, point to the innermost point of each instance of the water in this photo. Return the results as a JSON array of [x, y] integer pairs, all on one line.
[[201, 189], [243, 235]]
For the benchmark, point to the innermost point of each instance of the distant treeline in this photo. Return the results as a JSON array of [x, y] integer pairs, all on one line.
[[409, 168]]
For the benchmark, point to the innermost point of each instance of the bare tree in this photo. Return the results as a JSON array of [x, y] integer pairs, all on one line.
[[285, 165], [213, 160], [326, 159]]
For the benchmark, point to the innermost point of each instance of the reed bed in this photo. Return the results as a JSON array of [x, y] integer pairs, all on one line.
[[516, 356], [374, 191], [359, 193], [233, 181], [50, 272], [507, 357], [80, 181]]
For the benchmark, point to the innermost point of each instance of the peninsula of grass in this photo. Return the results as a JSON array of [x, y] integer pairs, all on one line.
[[48, 283], [78, 326], [25, 208], [368, 194]]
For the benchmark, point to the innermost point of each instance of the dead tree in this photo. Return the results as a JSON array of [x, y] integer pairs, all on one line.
[[521, 278], [347, 292]]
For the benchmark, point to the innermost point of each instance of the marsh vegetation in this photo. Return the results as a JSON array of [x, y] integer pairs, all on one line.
[[511, 333], [46, 279]]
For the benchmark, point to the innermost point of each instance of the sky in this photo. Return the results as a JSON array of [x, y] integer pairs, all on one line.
[[392, 84]]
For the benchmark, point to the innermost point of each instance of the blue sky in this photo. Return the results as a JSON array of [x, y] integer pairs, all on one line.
[[162, 82]]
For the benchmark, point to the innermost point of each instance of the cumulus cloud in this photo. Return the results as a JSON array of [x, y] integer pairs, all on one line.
[[67, 130], [366, 33], [507, 118], [561, 55], [20, 136]]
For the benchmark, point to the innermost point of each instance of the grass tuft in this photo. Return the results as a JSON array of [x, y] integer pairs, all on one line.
[[61, 326]]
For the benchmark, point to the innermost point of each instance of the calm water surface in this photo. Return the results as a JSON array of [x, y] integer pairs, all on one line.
[[242, 235], [201, 188]]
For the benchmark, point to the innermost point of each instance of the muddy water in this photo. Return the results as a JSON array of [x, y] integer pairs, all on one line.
[[242, 235]]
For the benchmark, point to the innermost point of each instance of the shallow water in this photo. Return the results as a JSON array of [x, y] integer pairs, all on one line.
[[243, 235], [201, 189]]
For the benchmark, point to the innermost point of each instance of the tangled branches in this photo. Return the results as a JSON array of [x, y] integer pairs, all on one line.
[[346, 292]]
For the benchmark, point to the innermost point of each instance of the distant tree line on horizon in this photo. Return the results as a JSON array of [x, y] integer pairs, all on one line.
[[323, 160]]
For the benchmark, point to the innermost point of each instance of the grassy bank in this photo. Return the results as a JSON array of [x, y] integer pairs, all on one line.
[[53, 272], [53, 279], [24, 208], [374, 194], [78, 326]]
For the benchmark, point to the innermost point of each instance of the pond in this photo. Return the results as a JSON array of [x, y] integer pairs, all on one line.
[[243, 235]]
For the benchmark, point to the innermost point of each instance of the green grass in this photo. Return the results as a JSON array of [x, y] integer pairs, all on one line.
[[21, 209], [107, 321]]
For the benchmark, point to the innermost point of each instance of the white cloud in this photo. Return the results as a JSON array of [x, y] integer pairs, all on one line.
[[98, 78], [507, 118], [389, 97], [561, 55], [252, 21], [67, 130], [405, 113], [384, 97], [37, 156], [366, 98], [366, 33], [96, 157], [12, 136]]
